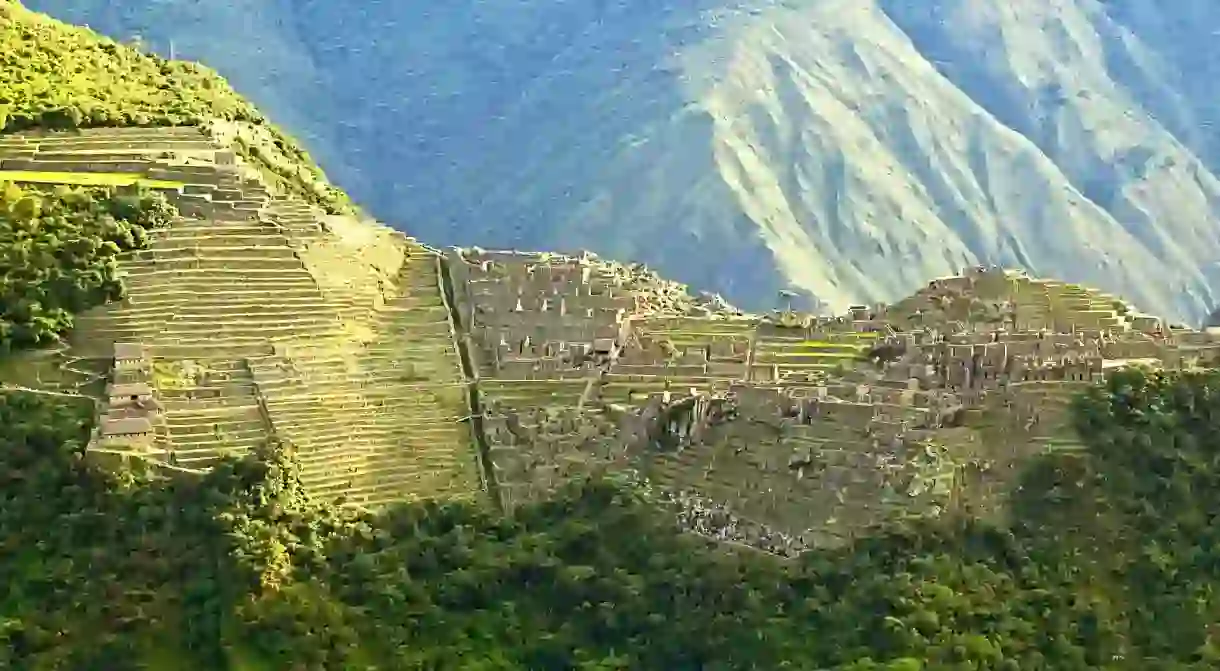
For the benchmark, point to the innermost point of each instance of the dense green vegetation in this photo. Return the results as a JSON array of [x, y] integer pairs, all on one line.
[[57, 254], [1114, 566], [59, 77]]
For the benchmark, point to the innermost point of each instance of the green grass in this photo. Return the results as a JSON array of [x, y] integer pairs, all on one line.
[[781, 355], [59, 77], [809, 346], [87, 179]]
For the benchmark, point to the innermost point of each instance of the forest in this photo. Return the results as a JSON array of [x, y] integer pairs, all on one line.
[[1113, 563], [58, 252]]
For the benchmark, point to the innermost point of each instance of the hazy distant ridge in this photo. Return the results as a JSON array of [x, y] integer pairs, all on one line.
[[850, 149]]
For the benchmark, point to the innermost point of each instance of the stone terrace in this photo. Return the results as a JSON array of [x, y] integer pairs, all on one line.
[[254, 317], [115, 156], [1020, 302], [385, 421], [569, 351], [812, 449], [838, 424], [540, 328], [259, 317]]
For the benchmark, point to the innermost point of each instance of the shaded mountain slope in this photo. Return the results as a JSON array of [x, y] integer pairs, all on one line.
[[846, 149]]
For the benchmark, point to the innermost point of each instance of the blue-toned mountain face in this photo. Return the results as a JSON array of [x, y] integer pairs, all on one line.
[[850, 150]]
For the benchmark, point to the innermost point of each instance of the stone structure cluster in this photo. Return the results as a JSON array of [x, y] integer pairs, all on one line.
[[131, 415], [813, 428], [399, 371]]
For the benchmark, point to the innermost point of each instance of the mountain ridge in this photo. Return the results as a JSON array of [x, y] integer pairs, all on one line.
[[221, 388], [848, 151]]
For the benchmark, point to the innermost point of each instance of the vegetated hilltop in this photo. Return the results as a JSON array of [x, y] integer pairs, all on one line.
[[849, 149], [125, 248], [57, 78]]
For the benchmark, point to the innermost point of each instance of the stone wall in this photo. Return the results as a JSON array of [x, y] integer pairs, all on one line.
[[259, 317], [540, 330], [811, 427], [818, 469], [536, 316], [254, 316]]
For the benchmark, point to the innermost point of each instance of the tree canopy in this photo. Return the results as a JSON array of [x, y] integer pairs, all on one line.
[[58, 252], [1113, 564]]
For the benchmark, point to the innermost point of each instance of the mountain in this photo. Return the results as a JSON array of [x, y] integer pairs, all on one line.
[[848, 150], [223, 393]]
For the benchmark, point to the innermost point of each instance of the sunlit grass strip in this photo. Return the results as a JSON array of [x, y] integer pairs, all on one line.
[[785, 355], [810, 345], [87, 179]]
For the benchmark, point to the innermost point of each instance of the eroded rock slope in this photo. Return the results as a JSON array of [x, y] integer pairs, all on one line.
[[849, 150]]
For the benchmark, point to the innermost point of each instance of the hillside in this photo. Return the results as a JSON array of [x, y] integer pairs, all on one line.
[[850, 150]]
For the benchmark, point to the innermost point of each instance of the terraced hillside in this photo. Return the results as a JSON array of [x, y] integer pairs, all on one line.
[[253, 316], [845, 149], [400, 372]]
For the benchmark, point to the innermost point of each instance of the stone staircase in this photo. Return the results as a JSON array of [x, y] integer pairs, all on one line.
[[215, 413]]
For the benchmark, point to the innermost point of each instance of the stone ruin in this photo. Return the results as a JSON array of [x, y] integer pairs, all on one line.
[[805, 429], [131, 412], [399, 371]]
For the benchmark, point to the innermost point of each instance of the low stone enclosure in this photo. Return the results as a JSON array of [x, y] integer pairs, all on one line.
[[399, 371]]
